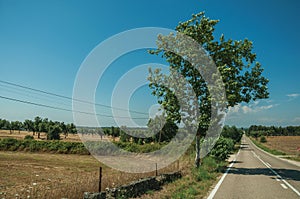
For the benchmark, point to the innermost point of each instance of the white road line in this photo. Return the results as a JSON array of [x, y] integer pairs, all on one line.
[[268, 164], [214, 191], [278, 176], [277, 179], [283, 186]]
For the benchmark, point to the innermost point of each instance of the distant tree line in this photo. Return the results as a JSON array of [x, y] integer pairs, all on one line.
[[39, 125], [259, 130]]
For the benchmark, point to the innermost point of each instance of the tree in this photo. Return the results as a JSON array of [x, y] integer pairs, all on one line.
[[54, 132], [43, 126], [235, 61], [37, 121], [164, 130], [71, 128], [16, 126], [64, 129], [29, 126], [2, 123]]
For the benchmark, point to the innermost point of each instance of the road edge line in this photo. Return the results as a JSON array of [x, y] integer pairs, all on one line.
[[283, 159], [282, 179], [214, 191]]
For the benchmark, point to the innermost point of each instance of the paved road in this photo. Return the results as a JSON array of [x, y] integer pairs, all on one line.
[[256, 174]]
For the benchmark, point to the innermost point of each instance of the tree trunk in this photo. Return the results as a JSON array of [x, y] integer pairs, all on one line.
[[197, 158], [159, 136], [39, 135]]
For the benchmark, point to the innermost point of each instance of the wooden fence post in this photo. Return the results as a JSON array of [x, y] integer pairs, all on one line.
[[100, 179]]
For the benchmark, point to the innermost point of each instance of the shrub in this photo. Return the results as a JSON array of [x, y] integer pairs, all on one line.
[[53, 133], [28, 137], [222, 148], [263, 139]]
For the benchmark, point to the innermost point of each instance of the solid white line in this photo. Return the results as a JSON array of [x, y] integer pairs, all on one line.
[[268, 164], [278, 176], [285, 187], [214, 191]]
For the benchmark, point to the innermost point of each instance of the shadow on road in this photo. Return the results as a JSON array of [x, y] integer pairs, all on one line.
[[236, 162], [287, 174]]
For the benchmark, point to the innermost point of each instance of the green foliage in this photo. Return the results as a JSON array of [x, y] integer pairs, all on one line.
[[4, 124], [263, 147], [10, 144], [138, 148], [28, 137], [53, 132], [208, 169], [263, 139], [162, 129], [257, 131], [240, 72], [222, 148], [124, 137], [233, 133]]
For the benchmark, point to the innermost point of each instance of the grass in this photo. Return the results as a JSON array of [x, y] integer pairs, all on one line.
[[41, 175], [296, 158], [195, 183], [265, 148], [286, 144], [44, 175]]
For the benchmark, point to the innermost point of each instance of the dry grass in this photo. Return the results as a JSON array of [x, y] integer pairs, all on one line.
[[43, 136], [34, 175], [287, 144], [42, 175]]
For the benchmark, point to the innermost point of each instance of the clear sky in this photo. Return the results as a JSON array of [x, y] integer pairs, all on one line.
[[43, 44]]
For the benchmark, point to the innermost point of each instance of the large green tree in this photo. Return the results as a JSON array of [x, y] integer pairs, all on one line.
[[241, 73]]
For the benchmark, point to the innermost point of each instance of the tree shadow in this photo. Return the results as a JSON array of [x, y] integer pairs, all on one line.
[[287, 174], [236, 162]]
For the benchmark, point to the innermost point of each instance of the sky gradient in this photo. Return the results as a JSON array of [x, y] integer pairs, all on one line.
[[44, 43]]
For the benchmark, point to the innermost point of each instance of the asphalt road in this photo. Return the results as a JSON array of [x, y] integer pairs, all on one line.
[[256, 174]]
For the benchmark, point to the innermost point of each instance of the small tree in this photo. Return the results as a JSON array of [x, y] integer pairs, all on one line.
[[37, 121], [29, 126], [263, 139], [54, 132]]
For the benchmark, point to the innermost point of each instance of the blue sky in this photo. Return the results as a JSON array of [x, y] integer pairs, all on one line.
[[44, 43]]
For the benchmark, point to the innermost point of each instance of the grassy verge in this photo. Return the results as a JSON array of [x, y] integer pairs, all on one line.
[[195, 183], [296, 158], [263, 147]]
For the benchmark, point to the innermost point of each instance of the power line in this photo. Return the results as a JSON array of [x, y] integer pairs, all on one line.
[[63, 109], [31, 94], [70, 98]]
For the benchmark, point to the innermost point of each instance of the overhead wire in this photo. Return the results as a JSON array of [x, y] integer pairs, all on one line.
[[64, 109], [70, 98]]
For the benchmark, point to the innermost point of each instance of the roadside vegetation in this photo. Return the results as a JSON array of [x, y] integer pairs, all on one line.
[[263, 147], [34, 173], [282, 141]]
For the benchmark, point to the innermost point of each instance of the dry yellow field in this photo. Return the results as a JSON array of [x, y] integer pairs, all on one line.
[[287, 144], [43, 136], [43, 175], [40, 175]]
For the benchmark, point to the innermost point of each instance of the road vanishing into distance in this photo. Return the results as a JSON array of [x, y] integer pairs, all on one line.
[[256, 174]]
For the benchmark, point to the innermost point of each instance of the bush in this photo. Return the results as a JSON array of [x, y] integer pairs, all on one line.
[[53, 133], [10, 144], [222, 148], [28, 137], [263, 139]]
